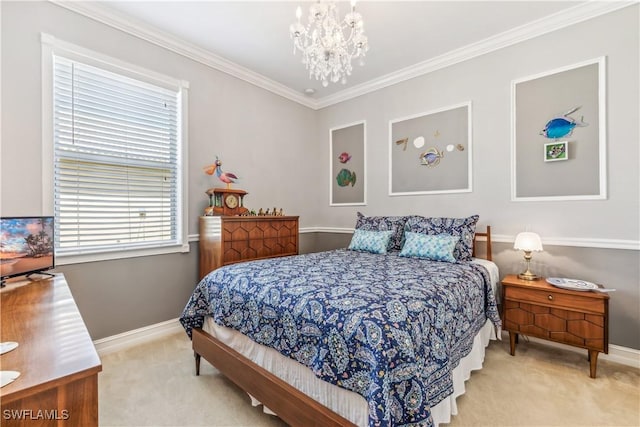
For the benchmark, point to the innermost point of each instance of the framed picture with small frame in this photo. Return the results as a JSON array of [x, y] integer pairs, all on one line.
[[556, 151], [557, 110]]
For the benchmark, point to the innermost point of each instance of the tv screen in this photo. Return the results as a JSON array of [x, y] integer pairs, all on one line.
[[26, 245]]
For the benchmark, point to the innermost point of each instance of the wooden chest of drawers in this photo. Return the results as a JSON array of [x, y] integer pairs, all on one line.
[[229, 239], [540, 310], [57, 361]]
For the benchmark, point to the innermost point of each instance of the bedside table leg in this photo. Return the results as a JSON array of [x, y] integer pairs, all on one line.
[[593, 362], [513, 338]]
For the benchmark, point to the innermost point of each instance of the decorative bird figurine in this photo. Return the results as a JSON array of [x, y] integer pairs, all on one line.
[[216, 167]]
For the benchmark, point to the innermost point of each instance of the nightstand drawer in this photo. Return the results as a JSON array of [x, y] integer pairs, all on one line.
[[556, 299]]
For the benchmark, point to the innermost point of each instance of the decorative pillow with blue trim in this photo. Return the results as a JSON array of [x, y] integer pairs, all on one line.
[[437, 247], [375, 242], [464, 228], [384, 223]]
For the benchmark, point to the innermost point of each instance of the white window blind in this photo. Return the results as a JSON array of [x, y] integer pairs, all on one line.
[[116, 168]]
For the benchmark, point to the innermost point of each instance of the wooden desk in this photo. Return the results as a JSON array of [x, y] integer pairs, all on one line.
[[57, 361]]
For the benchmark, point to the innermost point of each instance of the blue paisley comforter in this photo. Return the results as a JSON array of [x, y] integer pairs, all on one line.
[[387, 327]]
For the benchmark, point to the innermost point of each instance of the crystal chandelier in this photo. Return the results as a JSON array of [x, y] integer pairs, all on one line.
[[326, 50]]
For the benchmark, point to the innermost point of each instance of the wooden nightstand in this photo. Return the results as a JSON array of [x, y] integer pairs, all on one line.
[[541, 310]]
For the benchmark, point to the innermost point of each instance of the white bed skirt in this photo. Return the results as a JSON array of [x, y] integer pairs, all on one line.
[[350, 405]]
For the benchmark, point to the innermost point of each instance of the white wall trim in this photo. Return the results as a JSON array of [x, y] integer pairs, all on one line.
[[337, 230], [562, 19], [138, 336], [630, 245], [623, 355]]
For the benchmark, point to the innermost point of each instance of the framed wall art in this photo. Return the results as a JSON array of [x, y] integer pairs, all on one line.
[[555, 151], [347, 165], [561, 115], [430, 153]]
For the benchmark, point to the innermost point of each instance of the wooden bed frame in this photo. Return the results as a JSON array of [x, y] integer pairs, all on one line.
[[292, 406]]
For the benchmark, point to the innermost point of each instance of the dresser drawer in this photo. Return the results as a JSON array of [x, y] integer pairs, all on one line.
[[556, 299]]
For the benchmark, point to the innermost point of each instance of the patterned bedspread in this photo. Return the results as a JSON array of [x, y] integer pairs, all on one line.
[[389, 328]]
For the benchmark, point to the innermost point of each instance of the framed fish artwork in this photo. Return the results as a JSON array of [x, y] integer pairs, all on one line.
[[347, 165], [431, 152], [561, 113]]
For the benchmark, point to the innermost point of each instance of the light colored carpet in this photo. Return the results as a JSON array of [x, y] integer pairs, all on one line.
[[154, 385]]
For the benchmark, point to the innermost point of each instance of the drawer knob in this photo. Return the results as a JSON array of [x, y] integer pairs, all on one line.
[[550, 297]]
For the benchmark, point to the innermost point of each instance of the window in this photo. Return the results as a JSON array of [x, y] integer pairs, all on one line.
[[117, 160]]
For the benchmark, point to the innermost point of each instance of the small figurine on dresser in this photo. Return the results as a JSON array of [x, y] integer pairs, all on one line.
[[274, 212], [216, 167]]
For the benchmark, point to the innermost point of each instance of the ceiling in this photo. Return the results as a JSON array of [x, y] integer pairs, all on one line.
[[251, 38]]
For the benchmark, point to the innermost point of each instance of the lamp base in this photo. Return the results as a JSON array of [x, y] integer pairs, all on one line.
[[527, 275]]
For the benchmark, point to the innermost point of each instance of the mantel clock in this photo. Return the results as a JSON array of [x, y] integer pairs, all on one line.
[[226, 201]]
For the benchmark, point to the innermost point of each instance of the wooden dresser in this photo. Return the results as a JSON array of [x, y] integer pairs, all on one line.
[[541, 310], [230, 239], [57, 361]]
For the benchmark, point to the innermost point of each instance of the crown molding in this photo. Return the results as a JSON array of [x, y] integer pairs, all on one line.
[[151, 34], [559, 20]]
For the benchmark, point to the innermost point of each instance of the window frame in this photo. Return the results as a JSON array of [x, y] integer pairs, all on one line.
[[52, 46]]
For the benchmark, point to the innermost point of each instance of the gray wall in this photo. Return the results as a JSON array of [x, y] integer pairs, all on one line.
[[267, 140], [486, 81]]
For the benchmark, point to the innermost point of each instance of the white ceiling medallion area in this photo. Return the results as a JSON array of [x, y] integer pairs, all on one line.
[[564, 18]]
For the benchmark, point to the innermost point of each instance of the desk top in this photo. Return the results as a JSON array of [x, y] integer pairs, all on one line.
[[54, 344]]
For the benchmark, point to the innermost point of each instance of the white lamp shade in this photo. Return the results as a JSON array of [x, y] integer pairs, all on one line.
[[527, 241]]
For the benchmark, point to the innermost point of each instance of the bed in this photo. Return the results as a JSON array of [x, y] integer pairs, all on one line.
[[351, 337]]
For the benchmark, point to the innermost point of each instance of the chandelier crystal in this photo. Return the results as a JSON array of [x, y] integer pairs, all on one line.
[[327, 43]]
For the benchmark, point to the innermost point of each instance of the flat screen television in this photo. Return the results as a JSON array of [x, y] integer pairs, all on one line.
[[26, 246]]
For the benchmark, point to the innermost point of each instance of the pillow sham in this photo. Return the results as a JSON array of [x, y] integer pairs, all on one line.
[[437, 247], [464, 228], [375, 242], [384, 223]]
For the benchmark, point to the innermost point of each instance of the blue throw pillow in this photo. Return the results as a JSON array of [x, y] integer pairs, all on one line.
[[375, 242], [464, 228], [437, 247]]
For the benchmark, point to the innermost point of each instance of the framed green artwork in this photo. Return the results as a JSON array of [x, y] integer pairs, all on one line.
[[347, 165]]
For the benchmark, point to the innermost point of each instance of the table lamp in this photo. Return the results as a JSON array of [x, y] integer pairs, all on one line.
[[528, 242]]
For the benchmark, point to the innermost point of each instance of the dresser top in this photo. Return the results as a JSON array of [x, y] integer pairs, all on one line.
[[54, 344]]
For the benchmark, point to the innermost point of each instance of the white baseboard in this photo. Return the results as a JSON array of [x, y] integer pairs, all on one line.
[[623, 355], [138, 336]]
